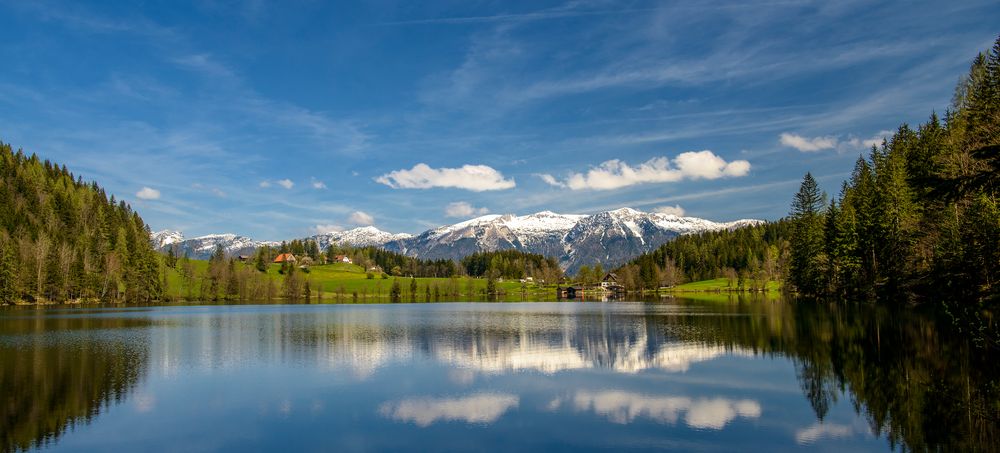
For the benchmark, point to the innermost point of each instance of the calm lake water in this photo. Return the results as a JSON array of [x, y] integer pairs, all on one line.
[[682, 374]]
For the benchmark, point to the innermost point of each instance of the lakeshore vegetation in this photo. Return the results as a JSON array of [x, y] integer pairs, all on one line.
[[918, 221], [63, 239]]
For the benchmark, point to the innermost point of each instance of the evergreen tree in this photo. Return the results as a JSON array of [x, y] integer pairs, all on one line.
[[807, 272], [8, 290]]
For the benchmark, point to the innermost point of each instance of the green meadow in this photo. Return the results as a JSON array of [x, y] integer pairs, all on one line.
[[340, 281]]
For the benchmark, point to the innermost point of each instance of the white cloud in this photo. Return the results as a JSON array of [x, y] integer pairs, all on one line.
[[808, 145], [327, 228], [852, 143], [479, 408], [476, 178], [463, 209], [361, 218], [286, 183], [317, 184], [147, 193], [551, 180], [264, 184], [218, 192], [615, 174], [676, 210], [875, 140]]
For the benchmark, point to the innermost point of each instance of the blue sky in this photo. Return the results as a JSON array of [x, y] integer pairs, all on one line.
[[276, 120]]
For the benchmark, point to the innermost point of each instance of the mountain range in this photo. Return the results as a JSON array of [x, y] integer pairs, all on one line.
[[610, 238]]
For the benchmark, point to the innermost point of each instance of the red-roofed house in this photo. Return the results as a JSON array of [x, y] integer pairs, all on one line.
[[285, 258]]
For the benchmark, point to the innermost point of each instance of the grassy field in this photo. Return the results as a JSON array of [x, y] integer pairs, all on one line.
[[343, 281], [717, 285]]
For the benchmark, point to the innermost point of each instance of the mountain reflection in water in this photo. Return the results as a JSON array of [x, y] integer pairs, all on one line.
[[685, 374]]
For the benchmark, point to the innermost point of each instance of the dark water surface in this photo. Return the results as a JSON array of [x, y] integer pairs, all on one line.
[[684, 375]]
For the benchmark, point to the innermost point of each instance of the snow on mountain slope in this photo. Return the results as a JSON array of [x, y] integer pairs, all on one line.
[[367, 236], [161, 239], [610, 238], [202, 247]]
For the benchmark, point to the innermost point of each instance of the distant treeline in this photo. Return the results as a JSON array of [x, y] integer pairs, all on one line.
[[507, 264], [512, 264], [919, 220], [63, 239], [751, 255]]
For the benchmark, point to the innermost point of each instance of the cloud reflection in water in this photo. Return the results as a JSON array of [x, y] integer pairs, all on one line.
[[702, 413], [480, 408]]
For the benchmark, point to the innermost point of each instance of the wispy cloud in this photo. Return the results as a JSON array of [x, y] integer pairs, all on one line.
[[361, 218], [829, 142], [676, 210], [558, 13], [463, 209], [205, 64], [807, 145], [327, 228]]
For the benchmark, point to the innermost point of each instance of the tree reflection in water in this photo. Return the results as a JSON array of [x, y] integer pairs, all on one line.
[[59, 372], [914, 381]]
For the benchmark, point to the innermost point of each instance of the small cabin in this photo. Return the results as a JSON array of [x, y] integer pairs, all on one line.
[[610, 280], [285, 258], [342, 259], [570, 292]]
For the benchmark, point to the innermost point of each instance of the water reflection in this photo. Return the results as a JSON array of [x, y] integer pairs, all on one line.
[[703, 413], [55, 375], [479, 408], [820, 430], [763, 373]]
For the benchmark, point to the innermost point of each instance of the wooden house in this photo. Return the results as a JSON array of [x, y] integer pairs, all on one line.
[[285, 258]]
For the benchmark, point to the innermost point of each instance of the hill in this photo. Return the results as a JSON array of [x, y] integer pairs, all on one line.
[[62, 239]]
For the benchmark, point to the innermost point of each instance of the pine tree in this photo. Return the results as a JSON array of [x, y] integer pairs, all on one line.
[[260, 263], [806, 272], [8, 290]]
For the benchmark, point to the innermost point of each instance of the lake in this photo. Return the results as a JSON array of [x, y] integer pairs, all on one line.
[[680, 374]]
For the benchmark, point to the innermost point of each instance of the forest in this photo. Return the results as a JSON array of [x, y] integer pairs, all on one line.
[[919, 220], [506, 264], [63, 239], [752, 256]]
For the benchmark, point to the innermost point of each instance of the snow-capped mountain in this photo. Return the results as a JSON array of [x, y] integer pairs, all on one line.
[[538, 233], [202, 247], [610, 238], [367, 236], [161, 239]]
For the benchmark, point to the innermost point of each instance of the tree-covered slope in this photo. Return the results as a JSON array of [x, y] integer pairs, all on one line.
[[62, 239], [919, 220]]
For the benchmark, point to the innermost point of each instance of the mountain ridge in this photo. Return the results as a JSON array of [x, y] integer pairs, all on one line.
[[609, 237]]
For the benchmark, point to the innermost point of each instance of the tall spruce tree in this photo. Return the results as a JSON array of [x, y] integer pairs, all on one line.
[[806, 272], [8, 276]]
